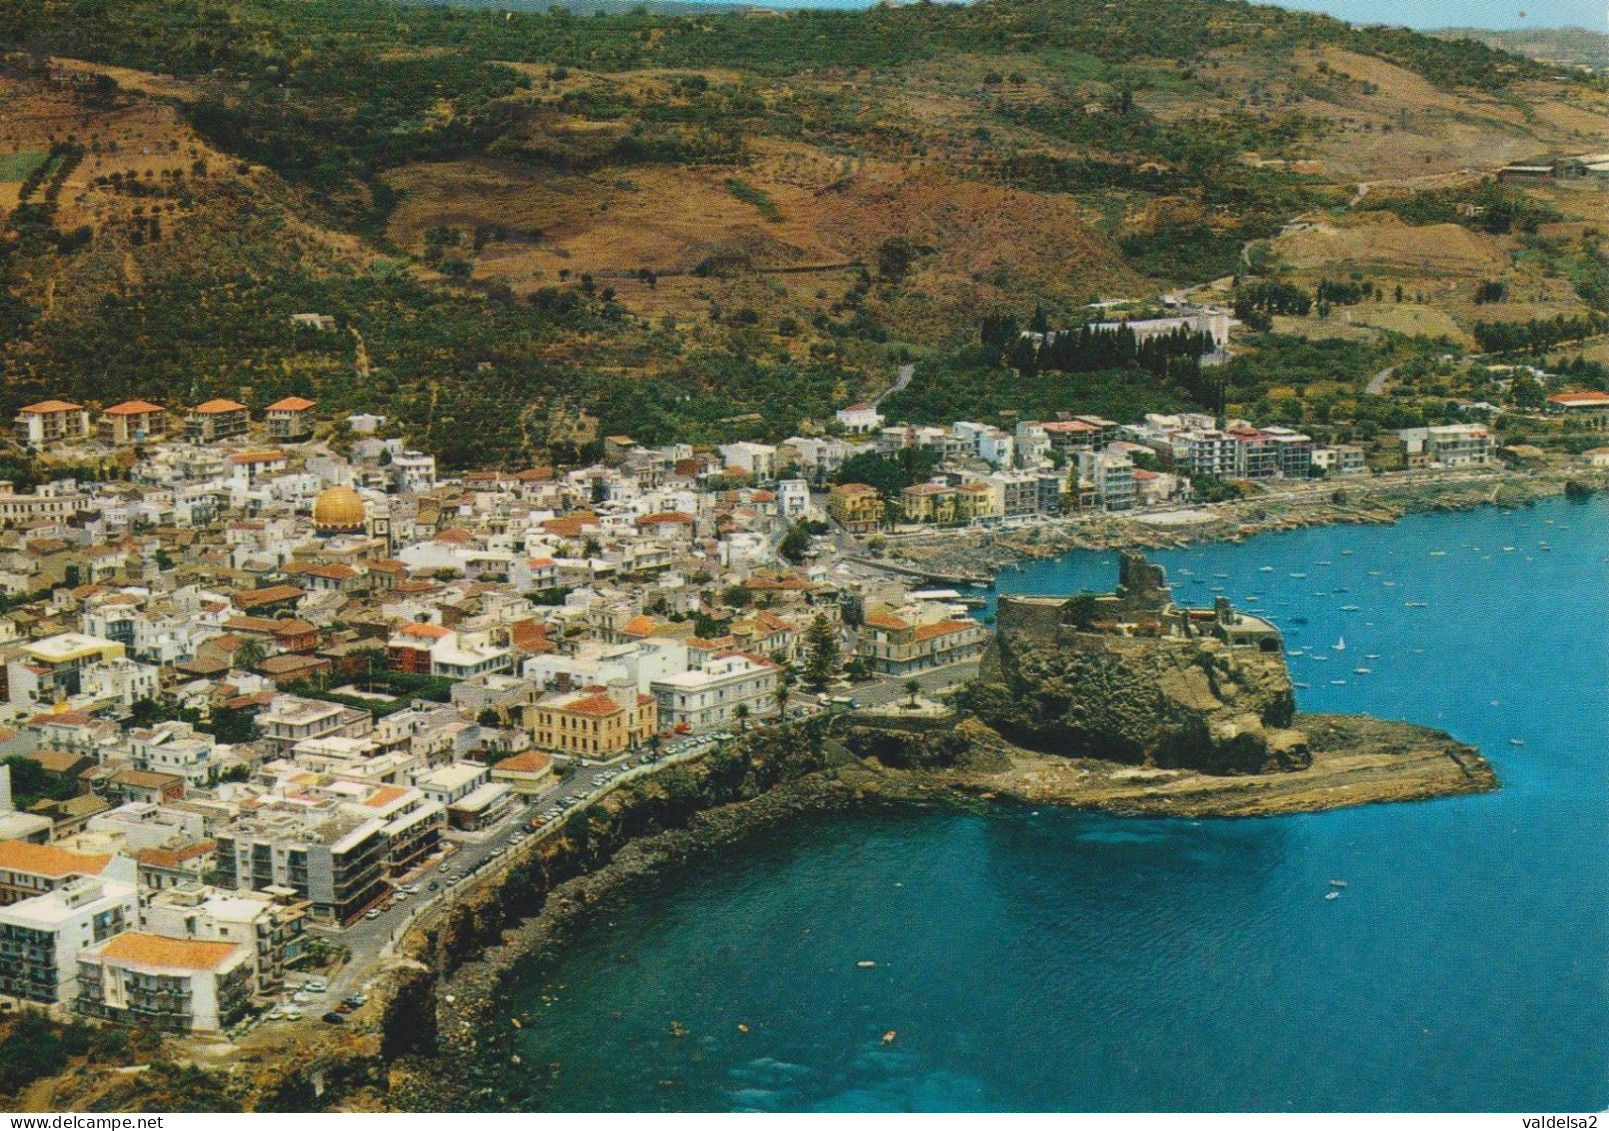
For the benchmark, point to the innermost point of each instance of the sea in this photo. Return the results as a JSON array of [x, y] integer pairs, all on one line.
[[1033, 960]]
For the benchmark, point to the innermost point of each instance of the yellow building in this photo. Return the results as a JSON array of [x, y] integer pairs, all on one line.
[[856, 507], [929, 502], [975, 501], [593, 723], [896, 643]]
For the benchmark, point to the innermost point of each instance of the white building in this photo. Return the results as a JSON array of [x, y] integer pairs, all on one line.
[[705, 699], [861, 418], [40, 937], [793, 499], [173, 985], [1449, 445], [1112, 475], [759, 461]]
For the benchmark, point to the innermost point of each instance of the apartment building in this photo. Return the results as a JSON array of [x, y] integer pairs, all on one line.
[[50, 422], [333, 860], [290, 719], [291, 419], [214, 420], [857, 507], [598, 723], [132, 422], [40, 937], [173, 985]]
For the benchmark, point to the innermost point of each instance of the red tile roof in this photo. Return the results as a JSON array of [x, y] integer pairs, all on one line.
[[217, 405], [48, 860], [142, 949], [291, 404], [133, 408], [51, 406]]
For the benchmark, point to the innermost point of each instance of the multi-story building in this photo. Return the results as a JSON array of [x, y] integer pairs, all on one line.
[[759, 461], [793, 499], [706, 698], [214, 420], [1343, 459], [1256, 453], [173, 985], [977, 502], [1449, 445], [132, 422], [56, 502], [272, 930], [55, 666], [857, 507], [861, 418], [894, 643], [1111, 473], [335, 861], [928, 502], [50, 422], [291, 419], [289, 720], [1293, 451], [179, 749], [28, 870], [598, 723], [40, 937]]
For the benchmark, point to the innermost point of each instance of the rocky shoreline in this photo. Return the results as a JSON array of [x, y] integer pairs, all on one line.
[[1361, 501], [1356, 761]]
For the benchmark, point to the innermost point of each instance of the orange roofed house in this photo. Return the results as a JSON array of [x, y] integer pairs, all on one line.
[[132, 422], [597, 723], [50, 422], [214, 420], [291, 419], [896, 643], [175, 985], [1590, 408]]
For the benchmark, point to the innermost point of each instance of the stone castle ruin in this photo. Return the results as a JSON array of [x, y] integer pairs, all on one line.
[[1131, 676]]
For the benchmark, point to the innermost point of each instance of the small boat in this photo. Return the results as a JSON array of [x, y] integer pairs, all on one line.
[[1297, 652], [1339, 645], [1220, 575], [1338, 681], [1438, 553], [1345, 553], [1253, 598], [1324, 563], [1303, 686], [1333, 895], [1318, 659], [1298, 575], [866, 964], [1508, 549], [888, 1037], [1340, 589], [1265, 569], [1338, 883], [1416, 604], [1362, 671], [1389, 584], [1349, 608], [1215, 588], [1371, 655], [1182, 572], [1516, 742], [1374, 573]]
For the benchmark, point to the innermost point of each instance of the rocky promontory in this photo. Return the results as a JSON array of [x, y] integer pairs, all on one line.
[[1132, 677]]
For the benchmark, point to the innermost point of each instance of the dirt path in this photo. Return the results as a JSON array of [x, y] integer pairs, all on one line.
[[1377, 384]]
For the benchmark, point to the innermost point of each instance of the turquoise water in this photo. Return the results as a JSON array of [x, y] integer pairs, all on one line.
[[1048, 960]]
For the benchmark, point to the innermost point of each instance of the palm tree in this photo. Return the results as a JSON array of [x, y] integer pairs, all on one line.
[[911, 688], [784, 689], [741, 714], [250, 653]]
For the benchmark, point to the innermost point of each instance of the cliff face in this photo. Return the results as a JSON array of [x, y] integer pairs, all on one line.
[[1191, 702]]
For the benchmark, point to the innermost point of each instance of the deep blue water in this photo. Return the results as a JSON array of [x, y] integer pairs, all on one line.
[[1050, 960]]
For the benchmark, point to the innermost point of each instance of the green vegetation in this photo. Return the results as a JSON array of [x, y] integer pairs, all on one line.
[[891, 473], [17, 166], [748, 194], [1487, 207]]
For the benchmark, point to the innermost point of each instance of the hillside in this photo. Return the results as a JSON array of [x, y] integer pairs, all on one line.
[[1570, 46], [676, 221]]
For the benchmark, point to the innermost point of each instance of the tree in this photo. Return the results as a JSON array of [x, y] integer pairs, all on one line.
[[489, 718], [822, 640], [795, 543], [784, 690], [741, 714], [912, 686], [250, 653]]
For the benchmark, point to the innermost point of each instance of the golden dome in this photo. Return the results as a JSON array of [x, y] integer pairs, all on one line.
[[338, 510]]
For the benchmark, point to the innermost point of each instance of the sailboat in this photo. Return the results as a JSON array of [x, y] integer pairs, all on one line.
[[1339, 645]]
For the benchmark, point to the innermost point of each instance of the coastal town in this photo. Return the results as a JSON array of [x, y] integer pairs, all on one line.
[[274, 683]]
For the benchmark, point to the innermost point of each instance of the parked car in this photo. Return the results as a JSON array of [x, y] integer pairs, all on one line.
[[316, 985], [293, 1015], [334, 1018], [435, 885]]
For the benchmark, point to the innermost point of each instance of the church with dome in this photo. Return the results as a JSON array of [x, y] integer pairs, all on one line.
[[339, 510]]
